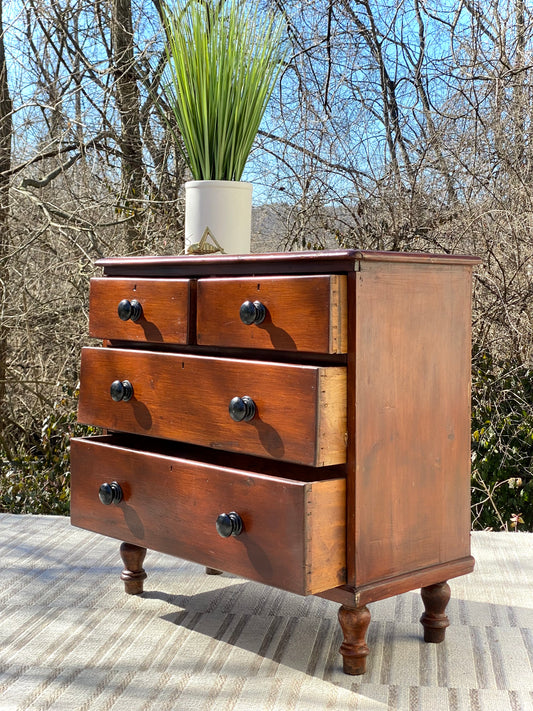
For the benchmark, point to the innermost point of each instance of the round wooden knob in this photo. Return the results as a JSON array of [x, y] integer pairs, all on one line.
[[242, 408], [129, 310], [121, 390], [229, 524], [252, 312], [110, 493]]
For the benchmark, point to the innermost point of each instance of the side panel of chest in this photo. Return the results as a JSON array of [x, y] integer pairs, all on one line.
[[412, 418]]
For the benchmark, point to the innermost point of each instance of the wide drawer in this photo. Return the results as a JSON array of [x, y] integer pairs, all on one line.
[[300, 410], [293, 533], [164, 303], [301, 313]]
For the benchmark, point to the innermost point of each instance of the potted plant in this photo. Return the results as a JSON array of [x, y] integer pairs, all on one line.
[[224, 57]]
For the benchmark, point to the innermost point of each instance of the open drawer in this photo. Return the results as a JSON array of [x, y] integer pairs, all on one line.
[[297, 413], [293, 525]]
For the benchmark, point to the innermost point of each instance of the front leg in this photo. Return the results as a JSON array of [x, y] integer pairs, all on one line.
[[133, 574], [435, 598], [354, 622]]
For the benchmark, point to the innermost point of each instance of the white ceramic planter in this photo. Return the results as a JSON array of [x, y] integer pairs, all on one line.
[[218, 217]]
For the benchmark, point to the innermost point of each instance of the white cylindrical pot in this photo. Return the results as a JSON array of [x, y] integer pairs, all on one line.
[[218, 217]]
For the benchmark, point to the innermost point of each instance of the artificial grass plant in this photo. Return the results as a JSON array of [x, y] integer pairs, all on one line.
[[224, 58]]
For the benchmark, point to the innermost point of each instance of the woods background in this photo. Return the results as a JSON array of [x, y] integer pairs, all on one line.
[[396, 126]]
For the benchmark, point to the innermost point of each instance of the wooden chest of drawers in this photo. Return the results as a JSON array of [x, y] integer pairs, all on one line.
[[301, 419]]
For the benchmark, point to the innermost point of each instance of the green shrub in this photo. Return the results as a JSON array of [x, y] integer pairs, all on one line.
[[36, 478], [502, 445]]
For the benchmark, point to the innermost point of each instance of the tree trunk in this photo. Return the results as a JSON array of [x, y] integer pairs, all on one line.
[[127, 98], [6, 130]]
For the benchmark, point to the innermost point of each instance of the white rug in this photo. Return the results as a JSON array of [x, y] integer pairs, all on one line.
[[71, 639]]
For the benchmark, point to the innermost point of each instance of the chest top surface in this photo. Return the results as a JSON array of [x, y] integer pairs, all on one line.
[[330, 261]]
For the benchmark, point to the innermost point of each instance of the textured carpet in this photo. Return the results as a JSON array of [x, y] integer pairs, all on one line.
[[71, 639]]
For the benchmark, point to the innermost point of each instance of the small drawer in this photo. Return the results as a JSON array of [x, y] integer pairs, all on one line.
[[293, 530], [300, 313], [151, 310], [297, 413]]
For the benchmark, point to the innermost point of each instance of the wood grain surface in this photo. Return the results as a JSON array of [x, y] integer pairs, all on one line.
[[165, 304], [171, 505], [303, 313], [300, 410], [411, 448]]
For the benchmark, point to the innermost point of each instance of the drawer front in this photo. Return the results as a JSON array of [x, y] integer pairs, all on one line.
[[302, 313], [293, 533], [300, 411], [164, 317]]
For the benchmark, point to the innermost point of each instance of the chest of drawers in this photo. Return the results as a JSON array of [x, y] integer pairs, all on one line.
[[299, 419]]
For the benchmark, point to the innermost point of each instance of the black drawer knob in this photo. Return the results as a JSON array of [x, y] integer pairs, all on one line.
[[252, 312], [129, 310], [121, 390], [242, 408], [110, 493], [229, 524]]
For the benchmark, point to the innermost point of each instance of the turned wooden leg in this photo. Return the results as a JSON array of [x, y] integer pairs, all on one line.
[[133, 574], [435, 598], [354, 622]]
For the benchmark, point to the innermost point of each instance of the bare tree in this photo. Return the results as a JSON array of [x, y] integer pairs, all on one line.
[[6, 128], [93, 171], [415, 133], [398, 124], [128, 104]]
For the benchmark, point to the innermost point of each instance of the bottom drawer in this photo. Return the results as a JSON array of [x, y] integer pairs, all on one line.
[[294, 527]]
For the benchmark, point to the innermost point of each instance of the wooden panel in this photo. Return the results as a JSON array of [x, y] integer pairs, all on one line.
[[310, 262], [171, 505], [326, 533], [186, 398], [331, 431], [412, 404], [382, 589], [165, 304], [304, 313]]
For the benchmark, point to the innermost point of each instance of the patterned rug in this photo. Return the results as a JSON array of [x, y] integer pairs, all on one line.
[[71, 639]]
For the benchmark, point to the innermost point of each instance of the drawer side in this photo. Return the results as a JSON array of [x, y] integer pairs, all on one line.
[[326, 535]]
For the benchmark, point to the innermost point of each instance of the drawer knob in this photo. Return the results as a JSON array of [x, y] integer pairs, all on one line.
[[252, 312], [110, 493], [121, 390], [229, 524], [129, 310], [242, 408]]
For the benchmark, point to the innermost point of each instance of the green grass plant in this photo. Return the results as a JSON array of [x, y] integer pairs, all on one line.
[[223, 61]]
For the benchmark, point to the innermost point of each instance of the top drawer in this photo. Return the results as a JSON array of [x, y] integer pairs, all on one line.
[[301, 313], [164, 310]]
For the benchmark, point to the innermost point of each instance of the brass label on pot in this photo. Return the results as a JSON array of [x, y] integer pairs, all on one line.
[[207, 245]]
